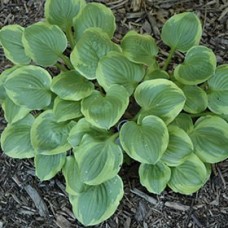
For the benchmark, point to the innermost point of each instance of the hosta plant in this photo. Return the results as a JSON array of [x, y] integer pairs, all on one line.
[[79, 104]]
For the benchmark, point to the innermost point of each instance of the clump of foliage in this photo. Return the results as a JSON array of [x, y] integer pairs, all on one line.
[[173, 123]]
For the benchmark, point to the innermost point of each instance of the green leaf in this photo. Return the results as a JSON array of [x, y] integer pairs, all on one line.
[[71, 173], [29, 86], [115, 68], [61, 13], [51, 105], [13, 112], [196, 99], [98, 161], [156, 74], [225, 117], [48, 136], [3, 76], [83, 127], [218, 91], [97, 203], [105, 111], [179, 148], [94, 15], [47, 166], [210, 139], [71, 86], [154, 177], [183, 121], [145, 142], [160, 97], [154, 66], [66, 110], [139, 48], [189, 177], [15, 139], [199, 65], [182, 31], [2, 90], [11, 41], [93, 45], [44, 43]]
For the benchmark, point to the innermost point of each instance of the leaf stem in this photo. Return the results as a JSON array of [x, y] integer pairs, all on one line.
[[202, 114], [171, 53], [204, 86], [66, 60], [61, 67], [70, 37], [114, 136], [135, 118]]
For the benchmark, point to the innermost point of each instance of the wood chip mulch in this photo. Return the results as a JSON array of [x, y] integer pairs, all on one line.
[[27, 202]]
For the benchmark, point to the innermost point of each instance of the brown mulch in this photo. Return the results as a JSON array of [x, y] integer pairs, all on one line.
[[27, 202]]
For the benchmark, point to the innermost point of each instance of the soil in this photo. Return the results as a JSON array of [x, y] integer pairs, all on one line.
[[27, 202]]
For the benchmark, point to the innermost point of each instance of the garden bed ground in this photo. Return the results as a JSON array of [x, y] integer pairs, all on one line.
[[26, 202]]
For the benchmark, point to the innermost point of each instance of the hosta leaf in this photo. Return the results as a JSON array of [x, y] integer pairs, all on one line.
[[94, 15], [2, 89], [105, 111], [139, 48], [83, 127], [115, 68], [11, 41], [210, 139], [154, 66], [15, 139], [51, 105], [199, 65], [98, 161], [3, 76], [93, 45], [47, 166], [29, 86], [154, 177], [61, 13], [179, 148], [48, 136], [160, 97], [156, 74], [196, 99], [225, 117], [183, 121], [218, 91], [71, 86], [44, 43], [97, 203], [13, 112], [182, 31], [145, 142], [71, 173], [189, 177], [66, 110]]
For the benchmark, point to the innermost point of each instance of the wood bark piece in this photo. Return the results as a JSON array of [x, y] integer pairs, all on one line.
[[141, 212], [35, 196], [62, 222], [38, 201], [144, 196], [136, 5], [177, 206], [173, 205]]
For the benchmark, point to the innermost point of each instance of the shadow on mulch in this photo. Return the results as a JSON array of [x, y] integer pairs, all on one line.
[[27, 202]]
